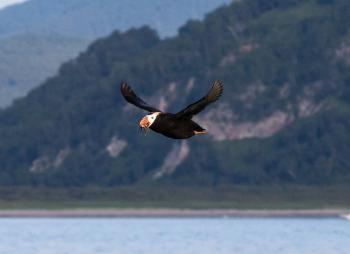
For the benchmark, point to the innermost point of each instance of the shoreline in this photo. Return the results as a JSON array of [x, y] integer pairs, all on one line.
[[173, 213]]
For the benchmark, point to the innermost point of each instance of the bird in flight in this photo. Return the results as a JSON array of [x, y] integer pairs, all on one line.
[[179, 125]]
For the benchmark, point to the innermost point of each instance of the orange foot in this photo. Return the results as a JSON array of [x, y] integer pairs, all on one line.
[[200, 132]]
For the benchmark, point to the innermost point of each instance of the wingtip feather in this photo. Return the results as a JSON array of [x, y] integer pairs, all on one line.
[[217, 89], [125, 89], [218, 85], [123, 85]]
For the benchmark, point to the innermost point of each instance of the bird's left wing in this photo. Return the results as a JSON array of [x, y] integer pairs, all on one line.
[[214, 94], [132, 98]]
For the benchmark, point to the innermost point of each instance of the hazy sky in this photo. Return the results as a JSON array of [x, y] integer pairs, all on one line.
[[4, 3]]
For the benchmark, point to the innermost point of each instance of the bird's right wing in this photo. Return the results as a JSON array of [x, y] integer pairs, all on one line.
[[196, 107], [132, 98]]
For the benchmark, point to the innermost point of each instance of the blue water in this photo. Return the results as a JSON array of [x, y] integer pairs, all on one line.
[[174, 236]]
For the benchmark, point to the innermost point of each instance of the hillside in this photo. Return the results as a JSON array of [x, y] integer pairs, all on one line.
[[283, 117], [46, 33]]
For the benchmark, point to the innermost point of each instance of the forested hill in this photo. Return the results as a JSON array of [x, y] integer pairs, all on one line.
[[283, 118]]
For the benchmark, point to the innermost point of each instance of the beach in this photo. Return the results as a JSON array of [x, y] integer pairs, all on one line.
[[147, 212]]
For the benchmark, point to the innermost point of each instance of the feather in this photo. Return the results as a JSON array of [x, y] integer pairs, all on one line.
[[196, 107], [132, 98]]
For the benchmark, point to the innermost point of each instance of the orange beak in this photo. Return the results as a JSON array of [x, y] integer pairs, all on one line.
[[144, 123]]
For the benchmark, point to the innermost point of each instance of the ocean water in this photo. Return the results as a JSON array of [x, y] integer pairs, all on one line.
[[174, 236]]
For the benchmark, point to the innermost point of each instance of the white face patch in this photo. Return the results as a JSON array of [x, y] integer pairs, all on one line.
[[152, 117]]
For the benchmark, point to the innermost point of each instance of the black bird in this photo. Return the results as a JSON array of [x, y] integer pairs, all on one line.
[[179, 125]]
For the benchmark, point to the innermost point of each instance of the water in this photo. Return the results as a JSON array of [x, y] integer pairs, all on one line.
[[174, 236]]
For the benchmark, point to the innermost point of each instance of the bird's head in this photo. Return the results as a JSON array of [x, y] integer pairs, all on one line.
[[148, 120]]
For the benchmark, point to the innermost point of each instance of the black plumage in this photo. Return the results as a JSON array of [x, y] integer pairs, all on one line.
[[179, 125]]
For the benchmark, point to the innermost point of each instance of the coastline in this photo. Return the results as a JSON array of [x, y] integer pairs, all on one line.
[[172, 213]]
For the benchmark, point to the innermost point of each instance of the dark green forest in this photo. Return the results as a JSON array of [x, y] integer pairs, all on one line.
[[283, 118]]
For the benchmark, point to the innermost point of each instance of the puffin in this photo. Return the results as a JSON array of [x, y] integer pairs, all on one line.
[[172, 125]]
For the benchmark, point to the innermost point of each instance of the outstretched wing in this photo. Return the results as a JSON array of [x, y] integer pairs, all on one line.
[[132, 98], [199, 105]]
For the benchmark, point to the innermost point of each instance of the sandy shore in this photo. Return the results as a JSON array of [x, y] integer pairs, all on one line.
[[73, 213]]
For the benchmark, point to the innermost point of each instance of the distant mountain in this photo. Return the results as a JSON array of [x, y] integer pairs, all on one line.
[[63, 28], [283, 117], [28, 59], [92, 19]]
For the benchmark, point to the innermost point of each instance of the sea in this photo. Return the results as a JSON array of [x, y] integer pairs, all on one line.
[[174, 236]]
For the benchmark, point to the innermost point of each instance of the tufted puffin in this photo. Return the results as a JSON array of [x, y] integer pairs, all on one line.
[[179, 125]]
